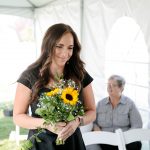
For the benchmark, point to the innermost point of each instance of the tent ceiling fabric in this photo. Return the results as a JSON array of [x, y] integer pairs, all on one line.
[[39, 3], [23, 3], [14, 3], [23, 8]]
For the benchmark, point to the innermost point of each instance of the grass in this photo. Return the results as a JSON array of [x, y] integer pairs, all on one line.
[[8, 145], [6, 126]]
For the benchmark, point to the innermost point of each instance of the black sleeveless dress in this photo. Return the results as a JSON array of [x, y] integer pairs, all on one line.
[[75, 141]]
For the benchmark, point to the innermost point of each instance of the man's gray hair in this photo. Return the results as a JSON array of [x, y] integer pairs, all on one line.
[[120, 80]]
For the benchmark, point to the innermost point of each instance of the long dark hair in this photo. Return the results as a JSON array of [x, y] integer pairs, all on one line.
[[74, 69]]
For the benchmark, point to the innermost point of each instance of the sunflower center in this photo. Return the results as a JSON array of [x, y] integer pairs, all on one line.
[[69, 97]]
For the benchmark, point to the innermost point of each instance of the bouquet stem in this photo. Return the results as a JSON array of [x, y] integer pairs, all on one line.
[[59, 141]]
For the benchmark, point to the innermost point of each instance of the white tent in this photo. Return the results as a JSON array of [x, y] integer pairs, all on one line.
[[91, 19]]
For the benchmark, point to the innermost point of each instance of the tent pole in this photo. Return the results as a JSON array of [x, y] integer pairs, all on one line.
[[35, 39], [81, 19]]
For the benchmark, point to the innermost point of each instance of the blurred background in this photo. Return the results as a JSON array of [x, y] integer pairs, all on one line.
[[115, 39]]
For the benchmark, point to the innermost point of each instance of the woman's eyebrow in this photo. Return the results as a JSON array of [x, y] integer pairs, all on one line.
[[59, 44], [71, 45]]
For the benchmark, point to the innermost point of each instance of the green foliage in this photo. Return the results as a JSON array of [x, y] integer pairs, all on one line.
[[6, 105], [53, 110], [26, 145]]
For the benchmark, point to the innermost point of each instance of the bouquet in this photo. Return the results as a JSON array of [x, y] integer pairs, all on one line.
[[61, 104]]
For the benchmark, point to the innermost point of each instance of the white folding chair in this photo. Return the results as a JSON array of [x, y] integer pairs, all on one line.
[[102, 137], [134, 135]]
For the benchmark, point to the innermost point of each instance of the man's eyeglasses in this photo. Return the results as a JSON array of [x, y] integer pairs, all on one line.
[[112, 85]]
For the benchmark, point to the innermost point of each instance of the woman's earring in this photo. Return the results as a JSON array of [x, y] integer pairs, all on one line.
[[67, 62]]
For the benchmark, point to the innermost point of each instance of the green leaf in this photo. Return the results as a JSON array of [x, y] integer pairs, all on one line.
[[27, 145], [70, 117], [38, 140]]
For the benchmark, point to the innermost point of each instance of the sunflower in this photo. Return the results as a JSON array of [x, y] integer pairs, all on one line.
[[53, 92], [70, 96]]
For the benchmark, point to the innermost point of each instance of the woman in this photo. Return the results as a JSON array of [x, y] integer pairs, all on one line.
[[59, 55], [117, 111]]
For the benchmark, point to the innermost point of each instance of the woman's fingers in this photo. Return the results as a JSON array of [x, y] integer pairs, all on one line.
[[68, 130], [56, 128], [62, 124]]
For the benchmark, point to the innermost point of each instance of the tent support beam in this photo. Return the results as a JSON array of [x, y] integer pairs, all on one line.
[[81, 18]]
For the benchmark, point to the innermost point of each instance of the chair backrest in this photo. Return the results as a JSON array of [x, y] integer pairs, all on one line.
[[136, 135], [102, 137]]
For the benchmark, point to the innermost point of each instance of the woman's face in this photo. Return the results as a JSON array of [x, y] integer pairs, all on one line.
[[63, 50], [113, 89]]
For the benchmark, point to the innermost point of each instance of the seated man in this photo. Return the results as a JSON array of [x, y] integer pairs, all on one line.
[[117, 111]]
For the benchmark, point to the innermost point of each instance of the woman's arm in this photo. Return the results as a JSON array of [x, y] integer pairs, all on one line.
[[20, 116], [21, 104], [89, 104]]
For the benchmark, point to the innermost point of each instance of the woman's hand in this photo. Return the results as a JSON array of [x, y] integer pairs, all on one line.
[[69, 129], [56, 128]]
